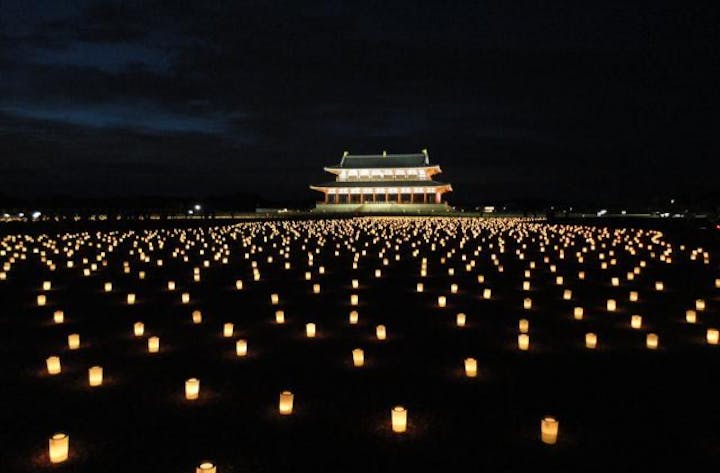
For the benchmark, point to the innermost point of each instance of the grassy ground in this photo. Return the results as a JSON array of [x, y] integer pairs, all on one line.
[[621, 407]]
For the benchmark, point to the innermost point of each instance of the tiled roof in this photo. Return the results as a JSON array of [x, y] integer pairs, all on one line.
[[360, 161], [382, 184]]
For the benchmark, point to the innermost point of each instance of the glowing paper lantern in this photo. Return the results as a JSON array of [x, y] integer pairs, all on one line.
[[615, 281], [419, 287], [378, 273], [73, 341], [460, 320], [523, 341], [651, 341], [633, 296], [636, 321], [95, 376], [59, 316], [53, 365], [286, 402], [239, 284], [358, 357], [46, 285], [659, 286], [380, 332], [316, 288], [712, 336], [280, 316], [398, 417], [138, 329], [487, 293], [567, 294], [524, 325], [527, 303], [353, 299], [196, 317], [274, 299], [310, 330], [108, 287], [192, 389], [559, 280], [699, 305], [442, 301], [611, 305], [171, 285], [185, 298], [549, 427], [470, 367], [691, 316], [526, 285], [241, 347], [453, 288], [228, 329], [41, 300], [355, 283], [590, 340], [59, 447], [206, 467], [354, 316], [578, 313], [130, 298], [154, 344]]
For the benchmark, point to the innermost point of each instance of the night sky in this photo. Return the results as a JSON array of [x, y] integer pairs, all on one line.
[[590, 101]]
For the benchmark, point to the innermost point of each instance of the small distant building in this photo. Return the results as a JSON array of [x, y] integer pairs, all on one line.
[[383, 182]]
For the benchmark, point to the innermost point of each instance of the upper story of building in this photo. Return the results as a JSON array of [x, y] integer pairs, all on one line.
[[384, 167]]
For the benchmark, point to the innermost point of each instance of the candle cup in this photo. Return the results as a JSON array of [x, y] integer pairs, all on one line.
[[192, 389], [358, 357], [228, 329], [523, 341], [549, 427], [287, 400], [95, 376], [53, 365], [470, 367], [59, 447], [310, 330], [241, 347], [206, 467], [398, 416]]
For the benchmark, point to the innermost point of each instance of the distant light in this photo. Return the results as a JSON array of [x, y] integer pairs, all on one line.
[[190, 212], [21, 214], [624, 212], [197, 207], [602, 212], [36, 214]]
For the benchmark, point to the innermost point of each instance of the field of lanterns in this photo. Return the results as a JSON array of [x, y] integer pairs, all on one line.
[[358, 345]]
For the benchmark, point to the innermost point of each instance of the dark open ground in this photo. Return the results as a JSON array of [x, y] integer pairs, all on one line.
[[621, 407]]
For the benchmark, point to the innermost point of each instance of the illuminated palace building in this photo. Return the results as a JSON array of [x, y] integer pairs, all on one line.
[[383, 182]]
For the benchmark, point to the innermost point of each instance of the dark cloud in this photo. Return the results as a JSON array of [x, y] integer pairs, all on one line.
[[565, 99]]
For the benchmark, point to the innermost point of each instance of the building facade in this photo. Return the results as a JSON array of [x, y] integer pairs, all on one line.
[[369, 182]]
